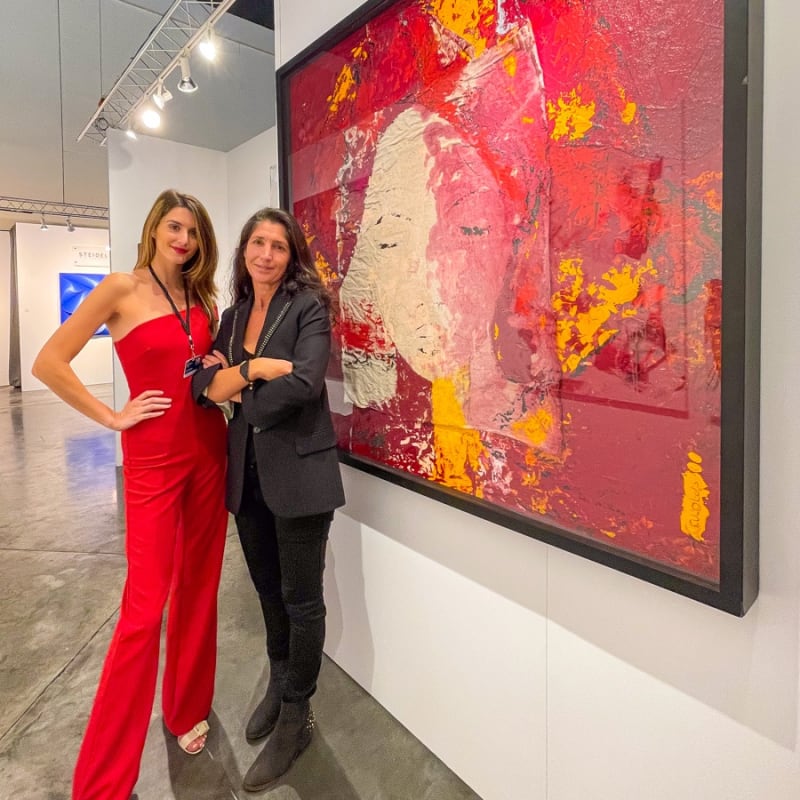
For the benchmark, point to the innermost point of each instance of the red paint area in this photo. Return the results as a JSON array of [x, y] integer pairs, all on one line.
[[642, 211]]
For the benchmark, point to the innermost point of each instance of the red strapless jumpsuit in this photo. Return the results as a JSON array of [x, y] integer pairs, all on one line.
[[174, 472]]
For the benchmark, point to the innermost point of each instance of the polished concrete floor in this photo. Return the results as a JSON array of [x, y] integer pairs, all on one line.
[[61, 572]]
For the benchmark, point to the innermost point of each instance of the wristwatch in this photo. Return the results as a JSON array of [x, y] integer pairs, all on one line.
[[244, 369]]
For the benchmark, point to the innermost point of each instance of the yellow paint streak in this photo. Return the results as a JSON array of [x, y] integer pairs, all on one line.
[[344, 90], [570, 116], [610, 534], [458, 449], [324, 269], [704, 178], [462, 17], [531, 459], [694, 511], [510, 63], [708, 182], [583, 311], [535, 427], [540, 505], [628, 113], [542, 502], [713, 200]]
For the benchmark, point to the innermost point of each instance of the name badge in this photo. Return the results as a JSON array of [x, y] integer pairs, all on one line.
[[192, 366]]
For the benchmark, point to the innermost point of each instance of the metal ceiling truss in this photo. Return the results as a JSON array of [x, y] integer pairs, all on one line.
[[184, 24], [21, 205]]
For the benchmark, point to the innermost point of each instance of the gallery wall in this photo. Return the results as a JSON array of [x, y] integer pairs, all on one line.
[[252, 183], [5, 304], [537, 675], [40, 256]]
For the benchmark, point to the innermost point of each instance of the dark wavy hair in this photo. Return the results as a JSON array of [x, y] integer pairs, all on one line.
[[199, 270], [300, 275]]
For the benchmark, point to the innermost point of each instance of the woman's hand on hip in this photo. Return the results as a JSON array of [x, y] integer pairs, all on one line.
[[148, 405]]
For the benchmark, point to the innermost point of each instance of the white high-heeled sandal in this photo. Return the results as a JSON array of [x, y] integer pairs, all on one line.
[[201, 729]]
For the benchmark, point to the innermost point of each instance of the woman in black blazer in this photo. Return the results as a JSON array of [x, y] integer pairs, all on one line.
[[270, 358]]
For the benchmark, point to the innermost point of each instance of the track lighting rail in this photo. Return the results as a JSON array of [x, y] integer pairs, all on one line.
[[22, 205], [184, 25]]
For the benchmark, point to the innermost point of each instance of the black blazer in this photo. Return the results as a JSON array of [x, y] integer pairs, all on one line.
[[293, 436]]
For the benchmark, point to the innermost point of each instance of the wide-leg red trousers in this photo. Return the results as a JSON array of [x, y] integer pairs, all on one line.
[[176, 522]]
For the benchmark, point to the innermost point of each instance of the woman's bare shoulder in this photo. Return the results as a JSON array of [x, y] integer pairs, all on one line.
[[120, 283], [123, 292]]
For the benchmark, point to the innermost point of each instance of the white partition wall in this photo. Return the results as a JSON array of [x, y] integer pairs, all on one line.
[[40, 256], [138, 171], [252, 181], [5, 304], [537, 675]]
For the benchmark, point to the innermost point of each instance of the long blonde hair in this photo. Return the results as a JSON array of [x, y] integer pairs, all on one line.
[[199, 271]]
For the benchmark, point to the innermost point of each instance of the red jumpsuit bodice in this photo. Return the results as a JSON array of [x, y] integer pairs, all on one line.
[[153, 356]]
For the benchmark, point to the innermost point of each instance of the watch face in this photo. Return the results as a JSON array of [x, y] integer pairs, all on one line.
[[244, 369]]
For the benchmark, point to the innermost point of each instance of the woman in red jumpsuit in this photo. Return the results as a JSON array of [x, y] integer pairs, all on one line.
[[161, 317]]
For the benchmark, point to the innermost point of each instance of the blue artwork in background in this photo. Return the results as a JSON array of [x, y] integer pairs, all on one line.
[[72, 290]]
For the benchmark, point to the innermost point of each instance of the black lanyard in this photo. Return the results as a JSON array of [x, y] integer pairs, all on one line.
[[185, 324]]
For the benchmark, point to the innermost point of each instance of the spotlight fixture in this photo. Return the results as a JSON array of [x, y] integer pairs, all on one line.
[[162, 96], [150, 118], [186, 85], [43, 226], [70, 226], [188, 24], [207, 46]]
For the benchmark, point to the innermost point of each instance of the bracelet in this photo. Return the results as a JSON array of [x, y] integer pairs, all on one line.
[[244, 371]]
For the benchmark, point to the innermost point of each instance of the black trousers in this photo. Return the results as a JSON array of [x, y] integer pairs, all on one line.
[[286, 559]]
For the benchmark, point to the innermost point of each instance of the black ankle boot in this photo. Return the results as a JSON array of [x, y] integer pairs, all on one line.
[[291, 736], [263, 719]]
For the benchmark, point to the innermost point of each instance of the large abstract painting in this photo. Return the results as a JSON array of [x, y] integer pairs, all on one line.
[[534, 217]]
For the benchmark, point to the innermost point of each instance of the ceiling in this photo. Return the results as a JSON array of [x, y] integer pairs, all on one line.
[[262, 12], [59, 57]]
